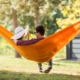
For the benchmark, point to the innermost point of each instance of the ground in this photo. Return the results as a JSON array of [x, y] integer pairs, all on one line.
[[21, 69]]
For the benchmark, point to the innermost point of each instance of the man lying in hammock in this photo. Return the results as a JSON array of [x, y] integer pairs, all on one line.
[[39, 32]]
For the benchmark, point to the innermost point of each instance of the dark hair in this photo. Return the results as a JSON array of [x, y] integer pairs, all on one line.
[[20, 38], [40, 29]]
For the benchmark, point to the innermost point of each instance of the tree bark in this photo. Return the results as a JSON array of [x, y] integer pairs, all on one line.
[[37, 16], [15, 24]]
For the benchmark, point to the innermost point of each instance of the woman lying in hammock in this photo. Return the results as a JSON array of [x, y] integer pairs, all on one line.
[[39, 32]]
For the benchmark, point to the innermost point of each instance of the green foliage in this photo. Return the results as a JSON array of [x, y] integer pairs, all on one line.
[[25, 13], [26, 20], [5, 48], [50, 22], [71, 10], [26, 7], [31, 36]]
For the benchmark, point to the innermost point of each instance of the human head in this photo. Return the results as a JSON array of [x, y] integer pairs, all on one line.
[[39, 31], [19, 33]]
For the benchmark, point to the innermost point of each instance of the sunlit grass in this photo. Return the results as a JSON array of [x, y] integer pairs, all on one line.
[[14, 68]]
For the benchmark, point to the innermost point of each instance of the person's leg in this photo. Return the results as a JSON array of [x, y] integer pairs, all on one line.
[[50, 62], [49, 67], [40, 67]]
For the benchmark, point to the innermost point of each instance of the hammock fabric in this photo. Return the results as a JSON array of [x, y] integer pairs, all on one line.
[[45, 49]]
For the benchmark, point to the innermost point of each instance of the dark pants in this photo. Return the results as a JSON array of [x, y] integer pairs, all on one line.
[[40, 64]]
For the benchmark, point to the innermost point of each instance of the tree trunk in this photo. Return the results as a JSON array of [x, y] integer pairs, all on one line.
[[37, 16], [15, 24]]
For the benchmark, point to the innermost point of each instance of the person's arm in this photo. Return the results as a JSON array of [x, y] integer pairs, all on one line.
[[15, 40], [28, 35], [25, 42]]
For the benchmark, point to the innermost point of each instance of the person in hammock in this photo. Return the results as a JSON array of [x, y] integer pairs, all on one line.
[[39, 32]]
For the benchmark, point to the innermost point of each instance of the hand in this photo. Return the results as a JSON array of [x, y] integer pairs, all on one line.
[[15, 40]]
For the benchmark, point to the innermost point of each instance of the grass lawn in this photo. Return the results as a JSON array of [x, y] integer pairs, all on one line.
[[21, 69]]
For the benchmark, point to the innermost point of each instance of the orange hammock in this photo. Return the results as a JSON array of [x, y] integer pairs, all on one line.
[[45, 49]]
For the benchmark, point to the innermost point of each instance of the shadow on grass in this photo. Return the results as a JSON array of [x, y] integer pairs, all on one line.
[[8, 75]]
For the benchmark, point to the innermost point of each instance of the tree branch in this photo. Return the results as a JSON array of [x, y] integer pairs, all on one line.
[[56, 1], [5, 3]]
